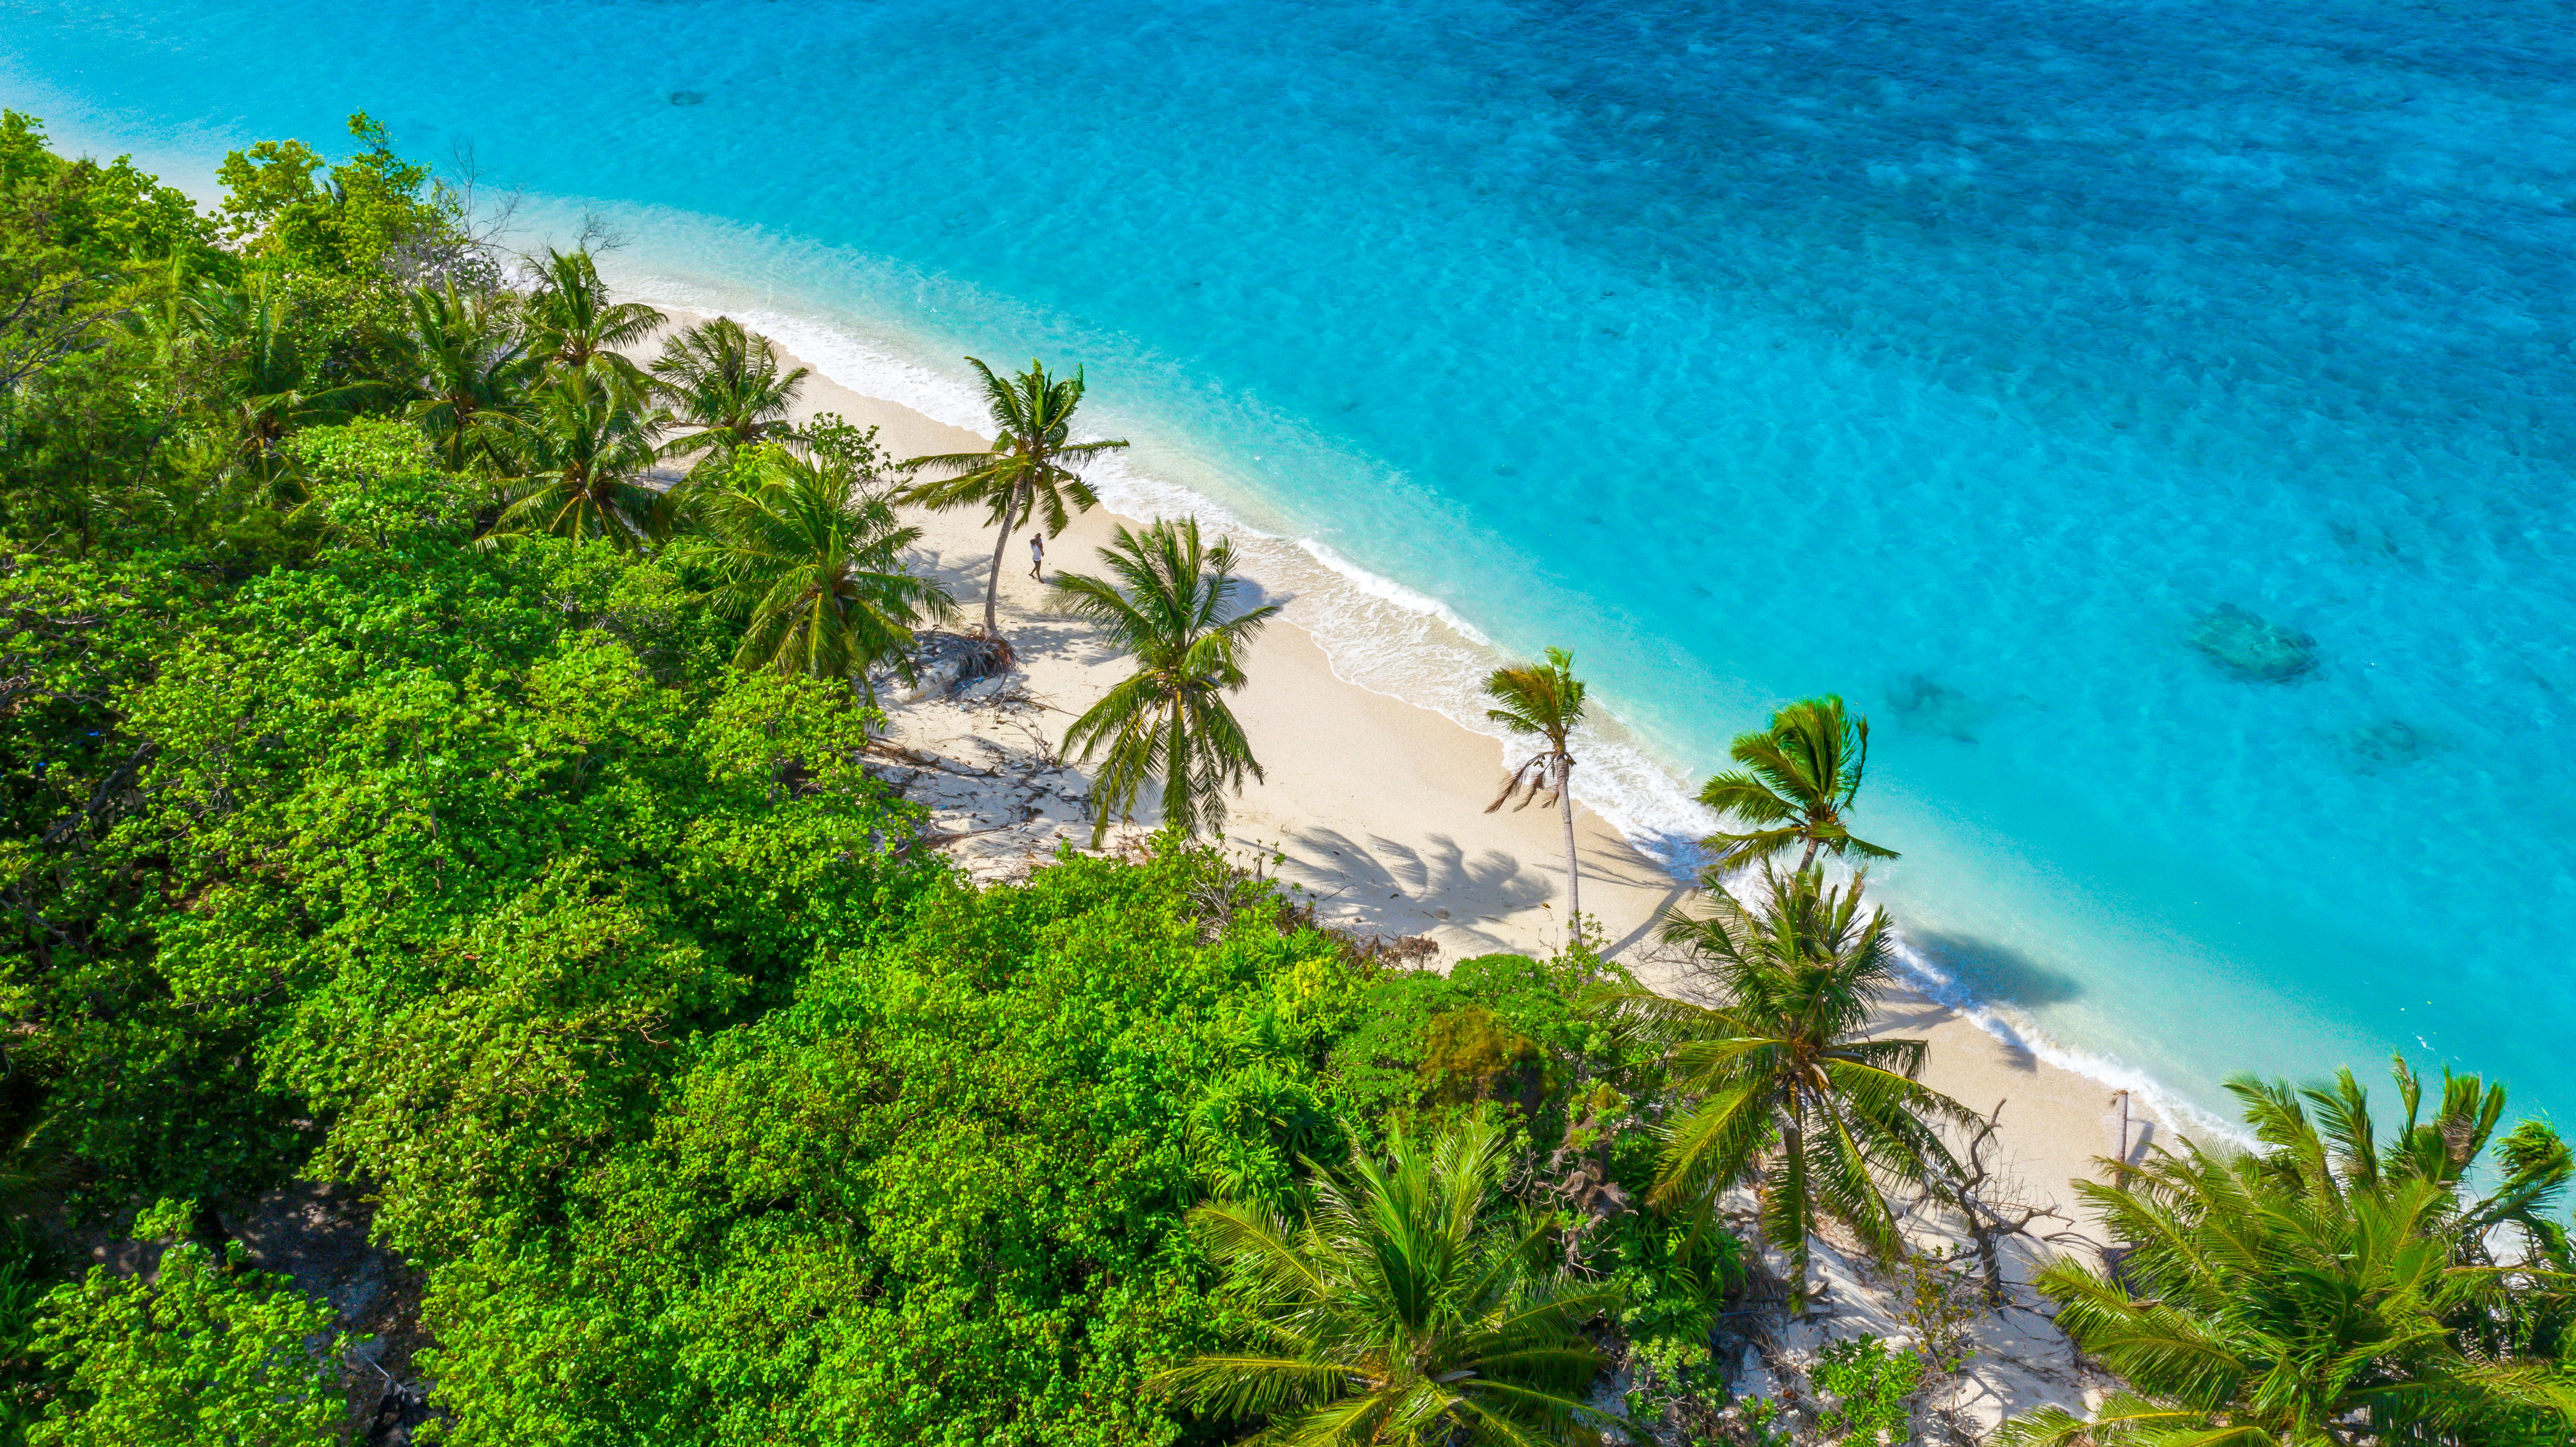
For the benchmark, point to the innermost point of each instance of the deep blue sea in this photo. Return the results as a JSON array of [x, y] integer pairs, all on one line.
[[1969, 357]]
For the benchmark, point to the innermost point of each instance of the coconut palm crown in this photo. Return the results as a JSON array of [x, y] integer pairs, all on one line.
[[466, 372], [723, 389], [582, 459], [574, 325], [1173, 606], [2327, 1289], [1798, 781], [1543, 701], [1794, 1095], [1031, 464], [1401, 1311], [812, 558]]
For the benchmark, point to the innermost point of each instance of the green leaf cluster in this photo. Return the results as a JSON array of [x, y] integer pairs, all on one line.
[[1872, 1390], [205, 1354]]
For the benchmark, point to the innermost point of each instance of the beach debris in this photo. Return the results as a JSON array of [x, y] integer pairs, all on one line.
[[2248, 647], [1936, 708], [944, 662]]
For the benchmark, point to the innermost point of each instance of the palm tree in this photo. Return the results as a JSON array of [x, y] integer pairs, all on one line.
[[466, 372], [724, 384], [263, 383], [1794, 1095], [812, 558], [582, 460], [1400, 1311], [1176, 613], [2316, 1292], [1544, 700], [1799, 777], [1030, 463], [573, 326]]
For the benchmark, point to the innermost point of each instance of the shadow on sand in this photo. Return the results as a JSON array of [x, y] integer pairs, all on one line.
[[1380, 872]]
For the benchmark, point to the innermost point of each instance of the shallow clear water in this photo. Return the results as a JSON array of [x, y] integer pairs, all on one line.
[[1960, 357]]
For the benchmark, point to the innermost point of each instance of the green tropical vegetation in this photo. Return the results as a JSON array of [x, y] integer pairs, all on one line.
[[576, 327], [207, 1351], [1401, 1309], [439, 762], [2332, 1286], [806, 550], [724, 386], [1171, 602], [1543, 701]]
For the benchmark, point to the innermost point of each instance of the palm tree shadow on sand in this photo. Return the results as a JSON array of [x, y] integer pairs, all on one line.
[[1343, 873], [1628, 867]]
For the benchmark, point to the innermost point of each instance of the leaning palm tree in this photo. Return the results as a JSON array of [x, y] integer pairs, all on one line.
[[581, 462], [1545, 701], [1402, 1310], [1794, 1095], [1031, 463], [811, 557], [1799, 777], [574, 326], [724, 385], [1173, 607], [2314, 1294], [465, 372]]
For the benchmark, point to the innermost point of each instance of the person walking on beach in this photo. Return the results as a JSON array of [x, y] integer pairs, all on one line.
[[1037, 556]]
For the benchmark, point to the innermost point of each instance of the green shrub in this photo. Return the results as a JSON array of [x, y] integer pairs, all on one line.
[[1873, 1390], [205, 1354]]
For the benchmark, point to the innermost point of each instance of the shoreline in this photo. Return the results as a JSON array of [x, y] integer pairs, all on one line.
[[1392, 838]]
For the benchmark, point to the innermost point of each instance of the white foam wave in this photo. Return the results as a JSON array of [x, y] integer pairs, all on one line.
[[2007, 1024], [1392, 591], [1380, 635]]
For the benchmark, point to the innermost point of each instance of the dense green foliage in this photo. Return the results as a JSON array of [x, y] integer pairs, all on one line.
[[206, 1354], [2333, 1286]]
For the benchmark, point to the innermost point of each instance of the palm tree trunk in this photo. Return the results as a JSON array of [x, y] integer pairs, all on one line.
[[1179, 806], [1573, 870], [1793, 1146], [1806, 859], [993, 579]]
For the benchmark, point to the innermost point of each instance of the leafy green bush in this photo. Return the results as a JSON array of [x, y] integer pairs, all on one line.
[[205, 1354], [1872, 1390]]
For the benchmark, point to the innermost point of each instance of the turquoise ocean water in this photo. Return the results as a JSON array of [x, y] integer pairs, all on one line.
[[1961, 357]]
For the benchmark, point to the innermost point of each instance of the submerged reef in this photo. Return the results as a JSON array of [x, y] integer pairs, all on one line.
[[2387, 746], [1936, 708], [2246, 646]]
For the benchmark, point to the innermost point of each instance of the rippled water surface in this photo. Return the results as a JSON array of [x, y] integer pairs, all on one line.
[[2157, 416]]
